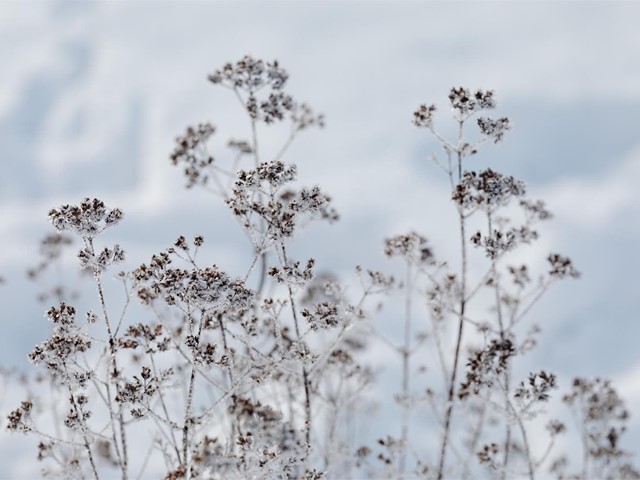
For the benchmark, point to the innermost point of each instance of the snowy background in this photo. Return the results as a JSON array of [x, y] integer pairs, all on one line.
[[93, 94]]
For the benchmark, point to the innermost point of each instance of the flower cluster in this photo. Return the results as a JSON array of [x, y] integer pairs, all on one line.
[[87, 219], [494, 128], [520, 275], [191, 152], [303, 117], [101, 262], [250, 74], [441, 295], [485, 366], [562, 266], [151, 337], [537, 387], [205, 288], [486, 190], [412, 247], [267, 441], [466, 102], [423, 117], [604, 417], [142, 390], [535, 210], [293, 274], [20, 418], [500, 242], [257, 191], [324, 315], [274, 174], [67, 339]]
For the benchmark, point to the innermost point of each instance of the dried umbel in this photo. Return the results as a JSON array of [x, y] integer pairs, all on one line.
[[258, 192], [466, 102], [603, 418], [412, 247], [494, 129], [67, 340], [486, 190], [192, 154], [253, 76], [88, 219], [562, 266], [485, 366], [203, 288], [250, 74]]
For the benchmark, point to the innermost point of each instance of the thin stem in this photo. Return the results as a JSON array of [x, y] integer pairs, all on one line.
[[406, 353], [115, 370], [585, 441], [463, 303], [263, 255], [496, 289], [475, 438], [527, 450], [525, 310], [286, 145], [83, 425], [305, 374], [187, 413], [167, 417], [235, 425]]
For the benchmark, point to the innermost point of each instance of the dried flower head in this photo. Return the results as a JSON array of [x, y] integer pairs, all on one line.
[[562, 266], [494, 129], [423, 117], [486, 190], [192, 153], [466, 102], [250, 74], [87, 219], [412, 247]]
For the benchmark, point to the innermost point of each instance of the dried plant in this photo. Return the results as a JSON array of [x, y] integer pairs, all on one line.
[[263, 375]]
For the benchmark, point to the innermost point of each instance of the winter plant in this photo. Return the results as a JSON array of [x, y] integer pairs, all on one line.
[[265, 374]]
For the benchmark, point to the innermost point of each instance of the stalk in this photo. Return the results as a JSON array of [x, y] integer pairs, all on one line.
[[463, 304]]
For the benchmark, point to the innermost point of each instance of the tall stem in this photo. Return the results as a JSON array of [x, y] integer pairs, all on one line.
[[496, 289], [406, 352], [115, 372], [463, 304], [263, 255], [585, 440], [84, 426], [187, 411], [305, 373], [236, 424], [527, 450]]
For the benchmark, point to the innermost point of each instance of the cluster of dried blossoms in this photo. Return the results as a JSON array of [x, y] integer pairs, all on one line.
[[261, 375]]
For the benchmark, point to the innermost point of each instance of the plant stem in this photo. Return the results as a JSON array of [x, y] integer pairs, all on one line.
[[305, 374], [80, 419], [463, 303], [187, 413], [114, 365], [406, 353], [496, 289], [527, 450]]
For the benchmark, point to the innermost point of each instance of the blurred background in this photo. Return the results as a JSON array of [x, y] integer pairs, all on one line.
[[93, 94]]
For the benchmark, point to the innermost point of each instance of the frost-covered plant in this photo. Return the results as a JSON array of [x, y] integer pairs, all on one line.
[[261, 374], [477, 323]]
